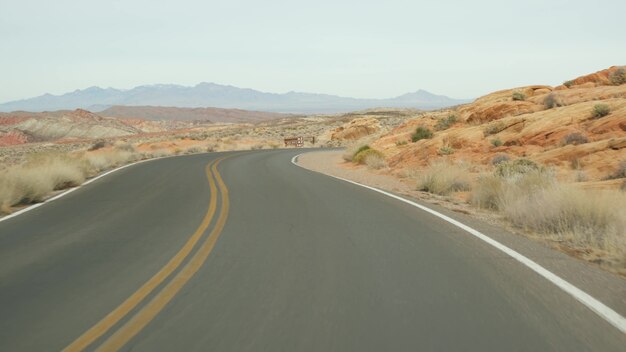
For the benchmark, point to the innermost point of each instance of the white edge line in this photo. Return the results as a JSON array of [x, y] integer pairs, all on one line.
[[608, 314], [68, 191]]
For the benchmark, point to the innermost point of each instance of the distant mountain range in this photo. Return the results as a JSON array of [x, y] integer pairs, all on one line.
[[221, 96]]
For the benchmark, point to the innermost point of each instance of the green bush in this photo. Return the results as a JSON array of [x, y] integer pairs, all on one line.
[[519, 96], [361, 156], [445, 123], [360, 149], [600, 110], [421, 133], [494, 128], [568, 83], [496, 142], [399, 143], [618, 77], [445, 150]]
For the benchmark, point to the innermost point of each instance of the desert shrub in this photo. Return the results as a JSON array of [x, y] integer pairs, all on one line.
[[353, 150], [518, 96], [97, 162], [97, 145], [62, 170], [400, 143], [445, 123], [256, 147], [444, 178], [487, 191], [575, 139], [491, 188], [375, 161], [618, 77], [535, 201], [360, 157], [194, 150], [580, 217], [493, 128], [39, 176], [360, 149], [552, 100], [446, 150], [600, 110], [421, 133], [568, 84], [516, 167], [500, 158], [23, 185], [496, 142]]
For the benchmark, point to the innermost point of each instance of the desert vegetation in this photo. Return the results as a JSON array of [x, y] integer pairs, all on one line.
[[532, 199], [443, 178], [600, 110], [445, 122], [421, 133], [529, 196], [575, 139], [496, 142], [553, 150], [43, 173], [518, 96], [618, 76], [552, 100]]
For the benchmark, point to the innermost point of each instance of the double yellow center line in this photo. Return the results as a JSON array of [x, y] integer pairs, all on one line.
[[137, 322]]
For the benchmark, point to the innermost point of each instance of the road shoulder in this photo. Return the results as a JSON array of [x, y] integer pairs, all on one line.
[[607, 287]]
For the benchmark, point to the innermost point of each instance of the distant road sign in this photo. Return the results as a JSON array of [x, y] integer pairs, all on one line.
[[298, 142]]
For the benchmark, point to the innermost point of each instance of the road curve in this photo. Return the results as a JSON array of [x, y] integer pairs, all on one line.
[[245, 251]]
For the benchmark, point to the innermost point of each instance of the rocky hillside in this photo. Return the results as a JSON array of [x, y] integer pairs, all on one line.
[[26, 127], [579, 128]]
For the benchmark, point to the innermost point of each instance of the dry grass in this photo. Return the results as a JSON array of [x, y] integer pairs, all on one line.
[[444, 178], [98, 162], [578, 218], [38, 177], [44, 173], [375, 161]]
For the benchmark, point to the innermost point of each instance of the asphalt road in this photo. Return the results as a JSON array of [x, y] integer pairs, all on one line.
[[253, 253]]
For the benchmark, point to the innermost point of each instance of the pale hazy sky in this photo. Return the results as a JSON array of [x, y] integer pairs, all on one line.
[[359, 48]]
